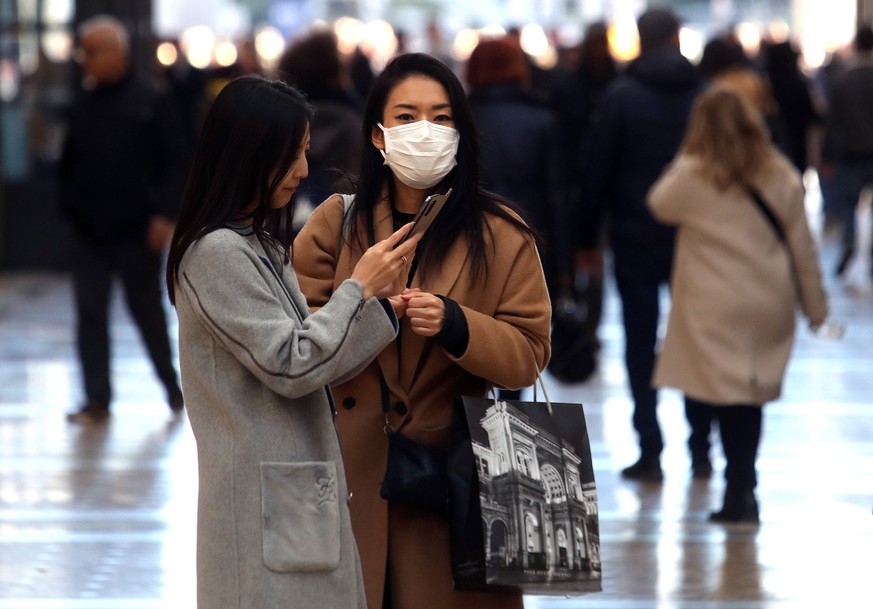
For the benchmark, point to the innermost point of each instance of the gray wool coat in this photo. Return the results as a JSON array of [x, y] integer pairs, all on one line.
[[735, 287], [273, 523]]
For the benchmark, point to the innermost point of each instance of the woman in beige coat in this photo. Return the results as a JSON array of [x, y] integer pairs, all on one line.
[[475, 313], [735, 282]]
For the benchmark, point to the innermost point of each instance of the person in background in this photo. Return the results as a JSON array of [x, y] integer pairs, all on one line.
[[218, 77], [539, 79], [313, 64], [796, 109], [731, 263], [361, 72], [848, 142], [822, 83], [497, 77], [575, 100], [186, 85], [642, 117], [273, 525], [122, 168], [475, 315], [724, 62]]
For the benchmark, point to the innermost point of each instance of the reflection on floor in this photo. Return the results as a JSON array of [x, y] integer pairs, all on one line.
[[104, 517]]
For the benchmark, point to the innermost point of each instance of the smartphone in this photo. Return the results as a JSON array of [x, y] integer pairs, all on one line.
[[427, 213]]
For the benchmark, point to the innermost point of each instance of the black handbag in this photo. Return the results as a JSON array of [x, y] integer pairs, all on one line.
[[416, 474]]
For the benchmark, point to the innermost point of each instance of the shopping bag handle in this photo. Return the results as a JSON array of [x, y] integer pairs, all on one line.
[[542, 385]]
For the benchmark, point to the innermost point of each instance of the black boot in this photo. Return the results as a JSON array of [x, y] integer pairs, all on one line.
[[740, 506], [647, 469]]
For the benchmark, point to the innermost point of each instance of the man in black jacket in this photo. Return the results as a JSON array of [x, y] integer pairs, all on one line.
[[122, 170], [847, 153], [643, 115]]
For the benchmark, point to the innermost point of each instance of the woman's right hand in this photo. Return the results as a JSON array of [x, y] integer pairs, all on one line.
[[382, 264]]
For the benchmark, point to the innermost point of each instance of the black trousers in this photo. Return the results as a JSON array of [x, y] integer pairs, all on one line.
[[94, 269], [740, 430], [639, 275]]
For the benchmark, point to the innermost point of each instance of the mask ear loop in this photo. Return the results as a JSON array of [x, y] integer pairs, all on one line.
[[385, 141]]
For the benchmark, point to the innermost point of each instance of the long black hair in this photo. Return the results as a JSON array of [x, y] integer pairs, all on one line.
[[464, 211], [250, 139]]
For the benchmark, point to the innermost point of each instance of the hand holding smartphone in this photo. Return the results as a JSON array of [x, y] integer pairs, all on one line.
[[427, 213]]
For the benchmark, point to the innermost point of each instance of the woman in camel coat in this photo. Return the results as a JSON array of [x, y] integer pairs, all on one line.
[[735, 284], [476, 314]]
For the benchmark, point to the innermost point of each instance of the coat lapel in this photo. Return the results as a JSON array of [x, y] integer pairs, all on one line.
[[404, 358], [389, 358]]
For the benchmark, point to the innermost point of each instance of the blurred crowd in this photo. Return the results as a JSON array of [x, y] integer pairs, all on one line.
[[579, 148], [551, 109]]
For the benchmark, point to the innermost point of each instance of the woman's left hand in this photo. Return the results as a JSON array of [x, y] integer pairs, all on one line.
[[426, 312]]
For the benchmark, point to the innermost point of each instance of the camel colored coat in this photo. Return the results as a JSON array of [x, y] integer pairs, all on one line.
[[273, 527], [508, 314], [735, 286]]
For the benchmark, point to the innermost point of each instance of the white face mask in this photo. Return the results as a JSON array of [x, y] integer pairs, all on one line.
[[421, 153]]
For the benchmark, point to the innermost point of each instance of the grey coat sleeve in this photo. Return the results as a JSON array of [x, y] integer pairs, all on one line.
[[242, 305]]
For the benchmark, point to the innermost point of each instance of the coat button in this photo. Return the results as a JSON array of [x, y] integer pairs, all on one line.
[[349, 403], [400, 408]]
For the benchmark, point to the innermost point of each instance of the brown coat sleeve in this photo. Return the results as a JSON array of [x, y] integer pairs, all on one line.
[[316, 250]]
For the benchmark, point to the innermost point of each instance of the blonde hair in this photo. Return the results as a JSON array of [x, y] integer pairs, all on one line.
[[726, 133], [750, 83]]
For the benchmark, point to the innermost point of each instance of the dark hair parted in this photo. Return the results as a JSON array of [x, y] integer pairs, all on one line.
[[464, 212], [252, 135]]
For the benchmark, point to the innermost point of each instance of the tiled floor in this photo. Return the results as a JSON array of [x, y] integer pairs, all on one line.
[[103, 518]]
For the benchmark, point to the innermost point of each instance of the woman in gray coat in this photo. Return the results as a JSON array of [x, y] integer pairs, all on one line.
[[736, 281], [273, 521]]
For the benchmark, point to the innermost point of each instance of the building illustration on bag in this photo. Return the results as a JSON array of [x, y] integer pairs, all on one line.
[[539, 514]]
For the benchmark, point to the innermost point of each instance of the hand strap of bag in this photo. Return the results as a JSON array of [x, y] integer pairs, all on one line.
[[542, 385]]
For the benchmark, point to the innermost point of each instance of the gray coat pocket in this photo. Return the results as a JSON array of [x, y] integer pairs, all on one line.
[[300, 513]]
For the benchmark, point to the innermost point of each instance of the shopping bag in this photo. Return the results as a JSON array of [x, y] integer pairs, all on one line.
[[523, 511]]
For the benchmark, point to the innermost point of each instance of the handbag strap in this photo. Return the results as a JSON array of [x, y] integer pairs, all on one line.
[[777, 228], [768, 213], [386, 406], [542, 385]]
